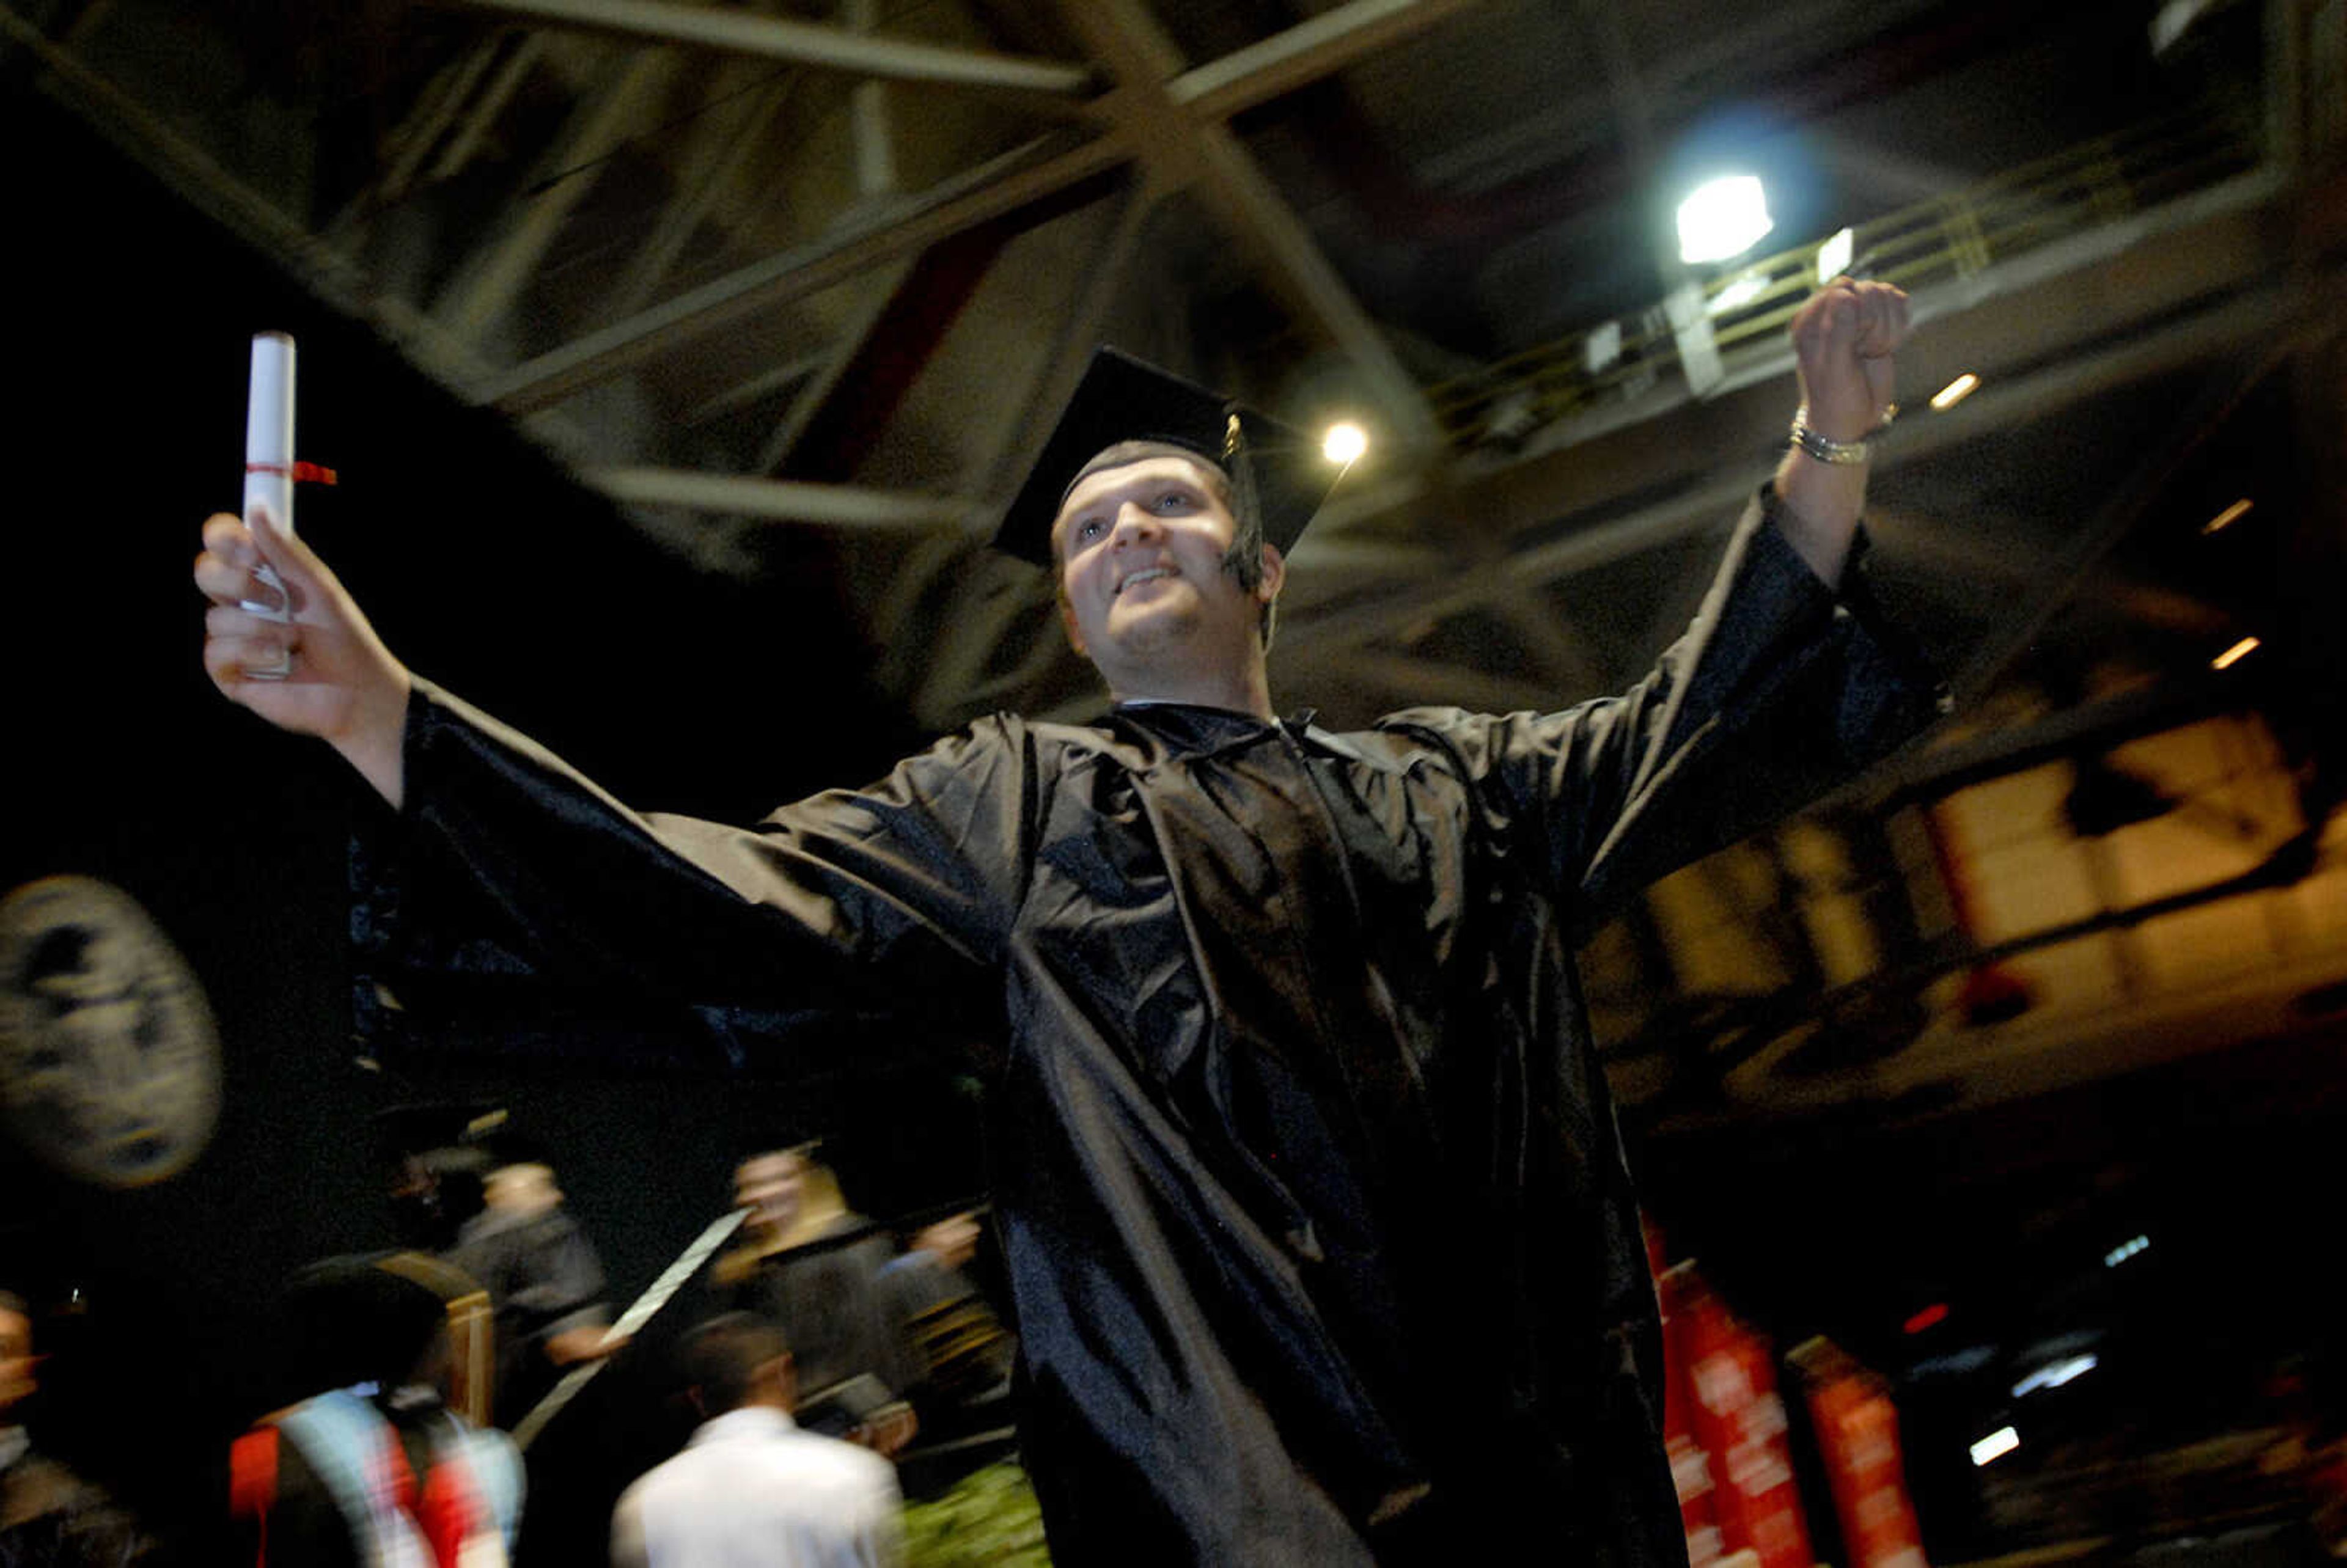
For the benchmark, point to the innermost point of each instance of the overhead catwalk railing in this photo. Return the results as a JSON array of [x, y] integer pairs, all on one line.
[[1696, 339]]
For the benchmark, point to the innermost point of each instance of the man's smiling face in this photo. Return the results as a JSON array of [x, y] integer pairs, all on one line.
[[1145, 589]]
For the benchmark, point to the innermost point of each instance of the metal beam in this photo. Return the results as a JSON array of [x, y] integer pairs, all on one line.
[[1644, 530], [1318, 557], [1026, 173], [1625, 88], [1562, 655], [767, 382], [1947, 549], [1300, 56], [1894, 179], [834, 362], [1180, 151], [199, 179], [804, 43], [1077, 331], [929, 682], [483, 112], [500, 269], [435, 110], [780, 500], [2253, 318], [714, 158], [867, 113]]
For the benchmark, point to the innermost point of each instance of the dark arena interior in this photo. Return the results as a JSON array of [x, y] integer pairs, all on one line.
[[674, 362]]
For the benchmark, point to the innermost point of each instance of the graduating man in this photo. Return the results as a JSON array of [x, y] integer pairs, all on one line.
[[1317, 1227]]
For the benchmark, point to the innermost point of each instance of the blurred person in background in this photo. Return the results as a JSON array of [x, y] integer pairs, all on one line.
[[373, 1470], [965, 1356], [812, 1267], [546, 1284], [544, 1279], [49, 1517], [434, 1163], [752, 1489]]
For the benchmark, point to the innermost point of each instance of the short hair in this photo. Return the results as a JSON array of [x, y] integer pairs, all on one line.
[[366, 1317], [12, 1302], [805, 1154], [1119, 454], [724, 1356]]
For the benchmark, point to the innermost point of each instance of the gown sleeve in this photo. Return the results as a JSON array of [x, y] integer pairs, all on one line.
[[1781, 689], [507, 864]]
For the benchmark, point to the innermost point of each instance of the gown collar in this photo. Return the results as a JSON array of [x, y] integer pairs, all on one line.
[[1175, 730]]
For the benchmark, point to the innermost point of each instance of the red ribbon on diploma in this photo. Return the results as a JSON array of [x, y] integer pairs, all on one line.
[[300, 473]]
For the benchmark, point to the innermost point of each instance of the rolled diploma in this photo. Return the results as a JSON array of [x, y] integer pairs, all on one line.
[[269, 462]]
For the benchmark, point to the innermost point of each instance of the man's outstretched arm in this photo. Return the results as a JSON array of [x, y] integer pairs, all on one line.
[[1782, 685], [1844, 339], [840, 899], [343, 684]]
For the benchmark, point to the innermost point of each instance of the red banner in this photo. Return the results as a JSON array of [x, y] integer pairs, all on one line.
[[1690, 1465], [1858, 1436], [1738, 1424]]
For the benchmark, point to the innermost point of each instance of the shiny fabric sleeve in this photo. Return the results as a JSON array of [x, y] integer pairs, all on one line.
[[507, 863], [1780, 689]]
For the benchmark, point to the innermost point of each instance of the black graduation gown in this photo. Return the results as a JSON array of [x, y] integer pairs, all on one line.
[[543, 1279], [1318, 1234], [848, 1342]]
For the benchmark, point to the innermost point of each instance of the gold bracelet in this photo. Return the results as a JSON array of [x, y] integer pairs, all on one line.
[[1840, 454]]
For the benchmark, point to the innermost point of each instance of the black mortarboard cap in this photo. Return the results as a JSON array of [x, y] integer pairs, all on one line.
[[1271, 467], [456, 1134], [429, 1127]]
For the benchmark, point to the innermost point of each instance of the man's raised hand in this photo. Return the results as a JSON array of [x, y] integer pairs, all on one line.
[[1844, 339], [341, 682]]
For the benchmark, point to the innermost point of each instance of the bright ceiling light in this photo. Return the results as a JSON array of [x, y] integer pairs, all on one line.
[[1955, 392], [2231, 515], [1833, 256], [1997, 1444], [2235, 655], [1344, 444], [1724, 218]]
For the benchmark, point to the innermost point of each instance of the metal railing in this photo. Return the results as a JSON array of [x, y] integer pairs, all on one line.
[[2108, 179]]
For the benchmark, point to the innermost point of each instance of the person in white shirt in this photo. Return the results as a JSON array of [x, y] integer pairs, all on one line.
[[750, 1490]]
